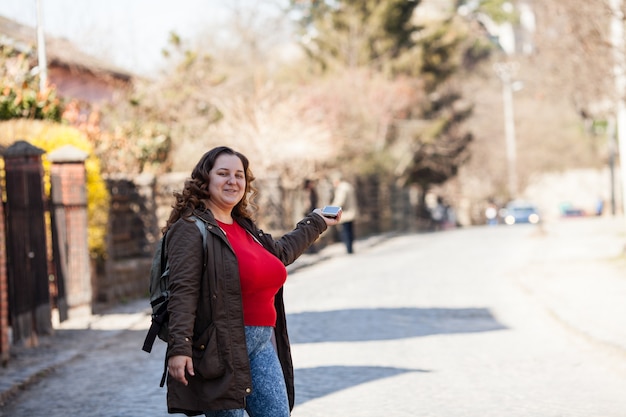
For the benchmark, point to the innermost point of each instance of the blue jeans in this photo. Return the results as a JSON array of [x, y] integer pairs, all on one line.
[[269, 394]]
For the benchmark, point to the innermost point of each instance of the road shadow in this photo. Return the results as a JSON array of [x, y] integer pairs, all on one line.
[[363, 324], [312, 383]]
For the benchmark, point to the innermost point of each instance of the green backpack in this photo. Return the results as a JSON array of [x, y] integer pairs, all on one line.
[[159, 289]]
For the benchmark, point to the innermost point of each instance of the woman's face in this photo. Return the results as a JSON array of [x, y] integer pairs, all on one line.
[[227, 182]]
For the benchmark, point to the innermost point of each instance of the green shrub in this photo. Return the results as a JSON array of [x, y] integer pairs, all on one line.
[[50, 136]]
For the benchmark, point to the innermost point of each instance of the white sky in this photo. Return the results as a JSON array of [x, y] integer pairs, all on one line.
[[128, 33]]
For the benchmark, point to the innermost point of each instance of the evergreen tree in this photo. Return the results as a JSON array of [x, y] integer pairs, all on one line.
[[357, 33], [427, 138]]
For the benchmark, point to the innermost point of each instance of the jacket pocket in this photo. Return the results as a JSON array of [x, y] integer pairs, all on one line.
[[206, 357]]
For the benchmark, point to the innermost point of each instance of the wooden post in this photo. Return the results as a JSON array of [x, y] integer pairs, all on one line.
[[4, 293], [69, 231]]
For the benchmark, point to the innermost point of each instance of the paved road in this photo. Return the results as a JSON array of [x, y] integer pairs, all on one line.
[[448, 324]]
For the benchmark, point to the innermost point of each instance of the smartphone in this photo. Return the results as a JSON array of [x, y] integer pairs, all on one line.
[[331, 211]]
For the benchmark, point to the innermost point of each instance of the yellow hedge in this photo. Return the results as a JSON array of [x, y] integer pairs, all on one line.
[[50, 136]]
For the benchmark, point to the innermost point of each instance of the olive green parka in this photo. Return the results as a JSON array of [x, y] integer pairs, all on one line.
[[206, 313]]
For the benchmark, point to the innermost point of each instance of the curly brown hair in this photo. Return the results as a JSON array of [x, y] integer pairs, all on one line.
[[196, 188]]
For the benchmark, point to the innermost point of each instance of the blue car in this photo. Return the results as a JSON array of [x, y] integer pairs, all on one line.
[[520, 212]]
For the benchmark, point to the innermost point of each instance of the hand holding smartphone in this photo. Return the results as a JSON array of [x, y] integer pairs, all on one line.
[[331, 211]]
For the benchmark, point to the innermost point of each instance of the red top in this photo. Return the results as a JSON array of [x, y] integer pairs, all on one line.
[[261, 275]]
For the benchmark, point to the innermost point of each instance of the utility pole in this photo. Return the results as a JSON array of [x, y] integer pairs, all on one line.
[[505, 71], [41, 50], [619, 66]]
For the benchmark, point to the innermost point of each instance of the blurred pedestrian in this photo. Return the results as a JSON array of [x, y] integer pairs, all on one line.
[[310, 189], [438, 214], [228, 348], [344, 196], [491, 214], [599, 206]]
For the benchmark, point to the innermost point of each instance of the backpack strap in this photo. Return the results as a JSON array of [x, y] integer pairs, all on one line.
[[202, 226], [163, 252], [158, 320], [164, 376]]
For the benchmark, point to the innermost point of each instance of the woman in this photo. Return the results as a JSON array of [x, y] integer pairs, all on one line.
[[228, 348]]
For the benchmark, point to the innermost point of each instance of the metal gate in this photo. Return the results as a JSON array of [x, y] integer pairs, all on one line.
[[27, 266]]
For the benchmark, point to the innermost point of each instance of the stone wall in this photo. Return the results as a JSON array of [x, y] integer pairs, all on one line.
[[133, 230]]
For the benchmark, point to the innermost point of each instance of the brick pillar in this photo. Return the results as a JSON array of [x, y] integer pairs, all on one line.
[[4, 293], [69, 231], [27, 271]]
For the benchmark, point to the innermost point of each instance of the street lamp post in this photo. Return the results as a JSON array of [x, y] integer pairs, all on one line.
[[505, 71], [41, 50]]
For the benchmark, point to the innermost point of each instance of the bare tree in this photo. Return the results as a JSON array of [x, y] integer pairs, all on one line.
[[573, 52]]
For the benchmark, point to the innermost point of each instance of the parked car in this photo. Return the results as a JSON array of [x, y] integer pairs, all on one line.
[[520, 212]]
